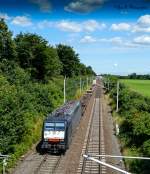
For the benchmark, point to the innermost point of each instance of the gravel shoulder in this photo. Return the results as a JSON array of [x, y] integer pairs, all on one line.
[[111, 142]]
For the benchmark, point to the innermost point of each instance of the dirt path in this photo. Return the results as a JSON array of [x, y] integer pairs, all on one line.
[[111, 143]]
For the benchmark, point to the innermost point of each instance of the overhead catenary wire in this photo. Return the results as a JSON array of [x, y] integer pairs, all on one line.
[[127, 157], [105, 164]]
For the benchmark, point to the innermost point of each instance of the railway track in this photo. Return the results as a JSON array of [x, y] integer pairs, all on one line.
[[94, 140], [48, 165], [39, 164]]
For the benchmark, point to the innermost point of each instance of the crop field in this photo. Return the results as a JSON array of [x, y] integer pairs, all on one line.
[[140, 86]]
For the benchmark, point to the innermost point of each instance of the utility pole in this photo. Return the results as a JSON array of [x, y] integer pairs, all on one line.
[[108, 85], [117, 96], [4, 164], [90, 80], [65, 89], [4, 157], [87, 83], [80, 85]]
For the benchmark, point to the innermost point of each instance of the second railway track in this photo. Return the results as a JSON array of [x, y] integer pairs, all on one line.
[[94, 140]]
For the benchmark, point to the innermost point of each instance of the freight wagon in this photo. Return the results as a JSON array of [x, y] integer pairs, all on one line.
[[60, 126]]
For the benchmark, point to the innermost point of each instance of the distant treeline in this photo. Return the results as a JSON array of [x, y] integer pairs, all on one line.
[[136, 76], [31, 86]]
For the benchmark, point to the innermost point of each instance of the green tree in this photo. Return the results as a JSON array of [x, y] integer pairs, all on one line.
[[90, 71], [82, 69], [35, 55], [26, 46], [7, 46], [46, 63], [70, 60]]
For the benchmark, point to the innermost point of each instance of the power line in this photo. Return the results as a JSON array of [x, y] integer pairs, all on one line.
[[127, 157], [105, 164]]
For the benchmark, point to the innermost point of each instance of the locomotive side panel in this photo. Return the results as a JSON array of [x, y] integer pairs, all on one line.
[[76, 116], [68, 135]]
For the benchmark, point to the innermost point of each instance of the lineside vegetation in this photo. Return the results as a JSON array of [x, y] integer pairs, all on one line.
[[133, 118]]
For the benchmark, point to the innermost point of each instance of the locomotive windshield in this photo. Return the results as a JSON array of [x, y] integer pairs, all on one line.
[[58, 126], [49, 126]]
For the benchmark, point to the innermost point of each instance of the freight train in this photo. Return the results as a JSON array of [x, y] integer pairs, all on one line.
[[60, 125]]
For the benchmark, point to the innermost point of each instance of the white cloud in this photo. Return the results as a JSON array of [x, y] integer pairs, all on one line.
[[130, 44], [120, 27], [144, 20], [144, 40], [115, 64], [92, 25], [22, 21], [143, 24], [119, 42], [113, 40], [5, 16], [138, 28], [72, 26], [45, 24], [45, 5], [69, 26], [84, 6], [116, 40], [87, 39]]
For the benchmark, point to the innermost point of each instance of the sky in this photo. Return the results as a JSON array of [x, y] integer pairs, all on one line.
[[112, 36]]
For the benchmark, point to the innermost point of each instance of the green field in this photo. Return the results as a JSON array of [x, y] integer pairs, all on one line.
[[140, 86]]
